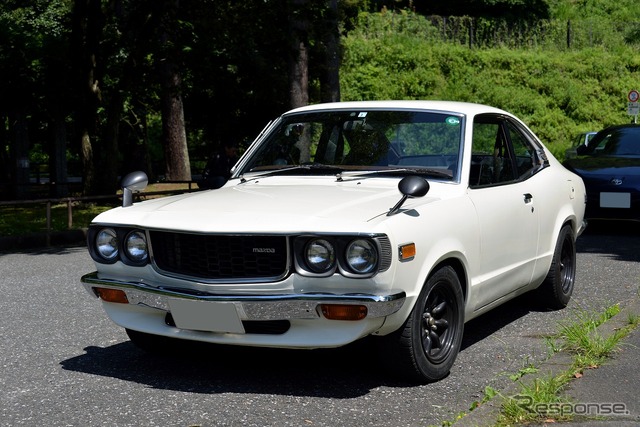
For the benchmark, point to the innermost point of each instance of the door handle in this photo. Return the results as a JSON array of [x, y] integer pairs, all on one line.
[[527, 197]]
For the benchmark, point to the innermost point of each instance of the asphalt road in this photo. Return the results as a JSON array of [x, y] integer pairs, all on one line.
[[64, 363]]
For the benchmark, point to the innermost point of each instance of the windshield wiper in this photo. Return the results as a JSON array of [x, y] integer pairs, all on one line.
[[399, 171], [309, 167]]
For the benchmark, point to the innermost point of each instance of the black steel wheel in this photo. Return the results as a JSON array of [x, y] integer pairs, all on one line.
[[426, 347], [555, 292]]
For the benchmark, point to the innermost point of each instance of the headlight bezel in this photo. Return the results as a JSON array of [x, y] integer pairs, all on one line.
[[121, 235], [129, 252], [314, 247], [368, 250], [106, 237], [341, 265]]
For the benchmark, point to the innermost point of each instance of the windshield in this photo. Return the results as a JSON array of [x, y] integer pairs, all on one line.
[[622, 141], [330, 142]]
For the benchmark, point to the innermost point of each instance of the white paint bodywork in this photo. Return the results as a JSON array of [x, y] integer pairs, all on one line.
[[501, 244]]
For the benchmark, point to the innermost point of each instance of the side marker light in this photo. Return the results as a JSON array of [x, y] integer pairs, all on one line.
[[407, 252]]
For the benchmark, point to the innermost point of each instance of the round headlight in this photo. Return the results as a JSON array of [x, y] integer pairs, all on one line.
[[107, 243], [320, 255], [136, 246], [362, 256]]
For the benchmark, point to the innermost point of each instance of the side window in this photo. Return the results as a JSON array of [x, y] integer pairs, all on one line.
[[491, 160], [483, 144], [524, 151], [502, 153]]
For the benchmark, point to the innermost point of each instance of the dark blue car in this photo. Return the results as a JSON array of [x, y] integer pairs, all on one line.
[[610, 169]]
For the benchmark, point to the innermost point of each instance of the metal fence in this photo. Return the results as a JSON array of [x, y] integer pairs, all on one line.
[[570, 34], [493, 32]]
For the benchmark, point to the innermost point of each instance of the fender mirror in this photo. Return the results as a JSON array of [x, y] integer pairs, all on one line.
[[135, 181]]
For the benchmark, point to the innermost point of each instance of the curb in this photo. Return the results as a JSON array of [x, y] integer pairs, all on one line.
[[487, 414]]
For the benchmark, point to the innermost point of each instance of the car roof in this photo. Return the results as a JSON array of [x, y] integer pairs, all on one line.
[[467, 108], [624, 126]]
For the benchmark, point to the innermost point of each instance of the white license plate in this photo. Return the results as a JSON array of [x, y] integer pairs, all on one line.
[[206, 316], [615, 200]]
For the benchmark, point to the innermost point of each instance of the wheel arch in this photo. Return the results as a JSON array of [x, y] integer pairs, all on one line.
[[461, 272], [454, 260]]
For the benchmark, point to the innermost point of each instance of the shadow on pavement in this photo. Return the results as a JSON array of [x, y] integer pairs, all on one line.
[[342, 373], [618, 240]]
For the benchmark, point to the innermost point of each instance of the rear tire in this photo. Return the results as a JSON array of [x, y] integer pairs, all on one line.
[[426, 347], [555, 292]]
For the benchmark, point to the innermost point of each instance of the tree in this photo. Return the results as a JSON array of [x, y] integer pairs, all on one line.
[[299, 59], [31, 82], [173, 126], [88, 23], [130, 81], [315, 42], [330, 37]]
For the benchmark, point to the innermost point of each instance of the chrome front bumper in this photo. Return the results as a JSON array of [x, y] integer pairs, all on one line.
[[251, 307]]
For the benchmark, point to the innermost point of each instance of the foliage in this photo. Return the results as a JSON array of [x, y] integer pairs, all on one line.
[[509, 9], [234, 65], [557, 93]]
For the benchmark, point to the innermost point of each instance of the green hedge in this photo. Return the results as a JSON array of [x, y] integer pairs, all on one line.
[[557, 93]]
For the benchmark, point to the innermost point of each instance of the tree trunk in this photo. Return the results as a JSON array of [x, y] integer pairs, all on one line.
[[174, 135], [20, 156], [299, 65], [58, 160], [330, 78], [86, 151], [6, 171], [87, 28], [178, 167]]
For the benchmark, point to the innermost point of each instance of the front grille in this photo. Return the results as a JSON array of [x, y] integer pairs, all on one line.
[[219, 257]]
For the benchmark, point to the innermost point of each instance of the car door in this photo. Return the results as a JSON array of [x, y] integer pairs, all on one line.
[[501, 189]]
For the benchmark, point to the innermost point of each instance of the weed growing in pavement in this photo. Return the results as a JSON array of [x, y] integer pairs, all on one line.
[[582, 338], [541, 399], [527, 369], [633, 319], [489, 393], [533, 399]]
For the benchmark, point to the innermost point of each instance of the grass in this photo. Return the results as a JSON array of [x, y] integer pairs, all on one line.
[[25, 220], [21, 219], [542, 399], [590, 349]]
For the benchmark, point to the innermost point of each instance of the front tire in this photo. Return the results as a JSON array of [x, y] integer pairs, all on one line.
[[555, 292], [426, 347]]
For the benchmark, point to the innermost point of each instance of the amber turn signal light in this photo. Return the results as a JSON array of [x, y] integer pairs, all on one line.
[[111, 295], [343, 311], [407, 252]]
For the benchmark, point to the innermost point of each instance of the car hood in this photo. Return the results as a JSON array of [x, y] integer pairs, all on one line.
[[594, 166], [271, 204]]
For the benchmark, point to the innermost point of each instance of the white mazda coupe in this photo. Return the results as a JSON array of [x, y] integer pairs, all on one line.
[[396, 219]]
